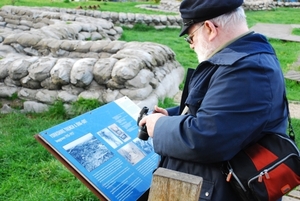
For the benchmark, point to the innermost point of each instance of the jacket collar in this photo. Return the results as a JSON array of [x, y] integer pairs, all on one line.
[[242, 46]]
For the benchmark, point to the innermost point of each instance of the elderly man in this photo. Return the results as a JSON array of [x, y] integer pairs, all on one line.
[[235, 96]]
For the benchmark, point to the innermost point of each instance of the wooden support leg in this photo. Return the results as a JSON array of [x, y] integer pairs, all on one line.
[[169, 185]]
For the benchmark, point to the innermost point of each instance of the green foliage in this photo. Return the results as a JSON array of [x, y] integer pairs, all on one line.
[[287, 52], [296, 126], [296, 31], [57, 110], [84, 105], [278, 16], [293, 90], [14, 96], [22, 159], [167, 102], [13, 101], [28, 172]]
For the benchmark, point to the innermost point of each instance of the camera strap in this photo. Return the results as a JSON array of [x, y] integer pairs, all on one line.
[[184, 95], [185, 110]]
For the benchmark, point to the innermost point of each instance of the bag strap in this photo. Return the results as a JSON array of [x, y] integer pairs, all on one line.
[[291, 132], [189, 73]]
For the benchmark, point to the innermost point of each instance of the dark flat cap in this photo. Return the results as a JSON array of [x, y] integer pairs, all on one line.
[[193, 11]]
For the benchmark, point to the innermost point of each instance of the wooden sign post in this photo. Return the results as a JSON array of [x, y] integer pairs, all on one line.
[[170, 185]]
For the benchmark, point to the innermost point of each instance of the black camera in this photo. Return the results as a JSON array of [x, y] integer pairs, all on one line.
[[143, 134]]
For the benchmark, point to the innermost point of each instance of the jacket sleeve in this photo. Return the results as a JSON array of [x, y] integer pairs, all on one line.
[[235, 110], [173, 111]]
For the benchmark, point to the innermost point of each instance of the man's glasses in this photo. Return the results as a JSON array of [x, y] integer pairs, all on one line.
[[189, 38]]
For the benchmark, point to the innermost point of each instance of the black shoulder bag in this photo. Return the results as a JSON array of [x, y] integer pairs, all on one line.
[[266, 170]]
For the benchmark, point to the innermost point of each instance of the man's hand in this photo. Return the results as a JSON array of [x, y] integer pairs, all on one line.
[[160, 110], [150, 121]]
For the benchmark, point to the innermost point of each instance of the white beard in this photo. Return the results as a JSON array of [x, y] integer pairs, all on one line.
[[204, 49]]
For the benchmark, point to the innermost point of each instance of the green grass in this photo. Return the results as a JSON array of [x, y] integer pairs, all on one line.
[[278, 16], [293, 90], [296, 31], [296, 127], [29, 173], [167, 102], [287, 52]]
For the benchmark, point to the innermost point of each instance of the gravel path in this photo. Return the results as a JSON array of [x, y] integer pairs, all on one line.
[[295, 110]]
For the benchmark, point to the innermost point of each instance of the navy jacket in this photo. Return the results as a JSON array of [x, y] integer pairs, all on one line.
[[234, 98]]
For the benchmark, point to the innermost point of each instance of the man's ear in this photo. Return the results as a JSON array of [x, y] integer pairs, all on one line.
[[211, 29]]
